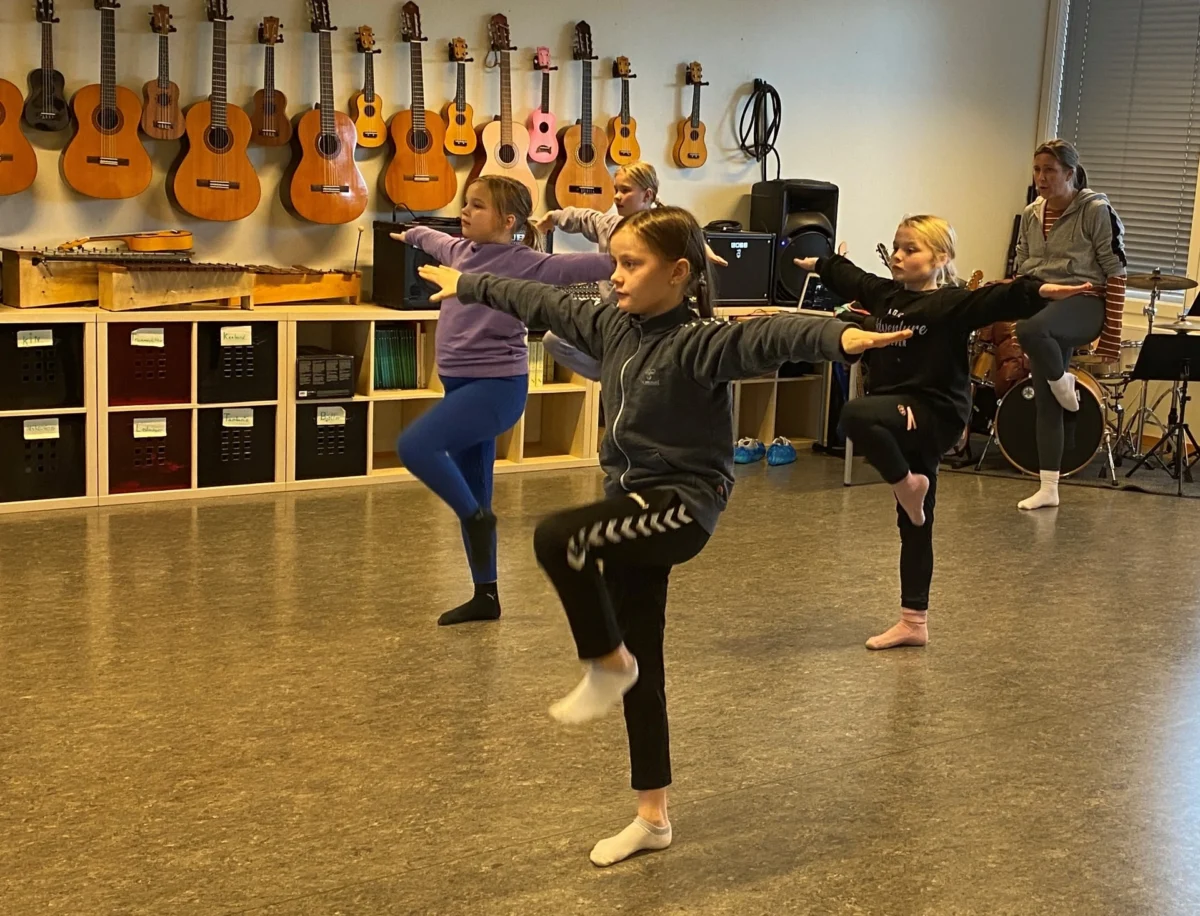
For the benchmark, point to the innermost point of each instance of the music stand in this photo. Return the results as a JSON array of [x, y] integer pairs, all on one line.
[[1171, 358]]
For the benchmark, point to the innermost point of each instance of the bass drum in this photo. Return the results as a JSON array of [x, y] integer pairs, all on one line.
[[1083, 432]]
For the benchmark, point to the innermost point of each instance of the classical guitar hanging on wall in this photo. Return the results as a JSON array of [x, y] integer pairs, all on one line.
[[583, 180], [325, 185], [366, 107], [162, 117], [690, 151], [106, 158], [46, 107], [214, 179], [268, 115], [459, 116], [623, 145], [503, 144], [18, 161]]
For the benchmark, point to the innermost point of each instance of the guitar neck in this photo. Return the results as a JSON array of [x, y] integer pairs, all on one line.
[[47, 46], [506, 133], [696, 105], [269, 73], [460, 91], [624, 101], [369, 81], [108, 59], [586, 120], [164, 63], [545, 92], [219, 93], [328, 125], [418, 85]]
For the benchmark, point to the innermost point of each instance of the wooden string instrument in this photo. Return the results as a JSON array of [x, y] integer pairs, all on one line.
[[215, 180], [162, 117], [543, 137], [161, 240], [366, 107], [325, 185], [18, 162], [583, 179], [268, 116], [46, 107], [690, 151], [459, 116], [419, 176], [504, 145], [106, 158], [623, 147]]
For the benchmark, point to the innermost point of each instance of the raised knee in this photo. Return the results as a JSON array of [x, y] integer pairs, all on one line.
[[854, 415], [550, 539]]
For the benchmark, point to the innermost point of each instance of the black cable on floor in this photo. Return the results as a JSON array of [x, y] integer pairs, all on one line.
[[759, 127]]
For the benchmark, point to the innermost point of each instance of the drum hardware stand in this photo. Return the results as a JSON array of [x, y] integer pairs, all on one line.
[[1150, 311], [1168, 358]]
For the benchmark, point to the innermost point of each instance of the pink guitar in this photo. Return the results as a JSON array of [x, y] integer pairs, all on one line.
[[543, 141]]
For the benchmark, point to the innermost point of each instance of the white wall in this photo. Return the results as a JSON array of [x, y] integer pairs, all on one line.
[[908, 105]]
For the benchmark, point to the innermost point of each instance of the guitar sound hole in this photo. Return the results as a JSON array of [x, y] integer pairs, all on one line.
[[695, 135], [544, 128], [418, 141], [460, 120], [625, 132], [328, 145], [107, 120], [219, 139], [164, 100], [587, 153], [507, 154], [3, 114], [369, 111]]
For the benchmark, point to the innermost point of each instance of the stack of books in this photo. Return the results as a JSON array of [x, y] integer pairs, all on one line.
[[396, 358], [541, 364]]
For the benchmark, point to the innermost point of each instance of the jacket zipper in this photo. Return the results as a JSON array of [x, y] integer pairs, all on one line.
[[621, 410]]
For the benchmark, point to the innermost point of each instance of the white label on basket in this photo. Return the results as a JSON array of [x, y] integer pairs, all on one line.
[[148, 337], [41, 429], [236, 337], [238, 418], [43, 338], [331, 416], [150, 428]]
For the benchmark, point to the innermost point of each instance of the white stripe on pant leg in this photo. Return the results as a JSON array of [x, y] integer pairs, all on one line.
[[638, 499], [623, 529]]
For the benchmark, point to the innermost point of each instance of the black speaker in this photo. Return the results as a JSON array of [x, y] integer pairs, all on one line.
[[751, 256], [395, 281], [803, 216]]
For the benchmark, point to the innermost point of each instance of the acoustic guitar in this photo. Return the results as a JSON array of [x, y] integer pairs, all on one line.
[[623, 145], [106, 158], [543, 138], [18, 161], [268, 116], [162, 117], [325, 185], [690, 151], [458, 115], [171, 240], [583, 179], [366, 106], [503, 145], [46, 107], [214, 179], [419, 176]]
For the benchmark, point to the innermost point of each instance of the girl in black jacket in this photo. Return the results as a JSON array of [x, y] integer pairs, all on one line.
[[668, 460]]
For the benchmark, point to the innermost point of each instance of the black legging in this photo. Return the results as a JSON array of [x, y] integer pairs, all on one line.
[[1049, 337], [879, 428]]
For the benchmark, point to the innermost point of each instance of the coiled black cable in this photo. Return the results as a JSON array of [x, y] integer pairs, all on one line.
[[758, 130]]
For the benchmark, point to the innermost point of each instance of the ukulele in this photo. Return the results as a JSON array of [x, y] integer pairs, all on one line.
[[214, 179], [543, 141], [106, 158], [583, 180], [459, 116], [46, 108], [623, 146], [18, 161], [419, 176], [325, 184], [366, 105], [504, 145], [269, 118], [161, 116], [169, 240], [690, 151]]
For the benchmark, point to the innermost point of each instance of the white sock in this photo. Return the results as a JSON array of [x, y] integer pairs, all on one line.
[[1065, 393], [639, 835], [596, 694], [1047, 495]]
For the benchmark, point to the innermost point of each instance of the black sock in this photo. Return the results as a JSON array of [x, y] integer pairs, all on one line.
[[484, 606], [480, 528]]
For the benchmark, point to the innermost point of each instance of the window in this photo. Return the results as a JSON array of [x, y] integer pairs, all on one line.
[[1130, 102]]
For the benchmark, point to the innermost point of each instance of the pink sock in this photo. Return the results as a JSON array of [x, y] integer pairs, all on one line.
[[911, 630], [910, 493]]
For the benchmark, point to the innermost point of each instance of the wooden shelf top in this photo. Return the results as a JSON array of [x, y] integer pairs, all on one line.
[[293, 311], [407, 394], [44, 412]]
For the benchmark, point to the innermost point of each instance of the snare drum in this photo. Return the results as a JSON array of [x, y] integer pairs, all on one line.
[[1083, 432], [983, 360]]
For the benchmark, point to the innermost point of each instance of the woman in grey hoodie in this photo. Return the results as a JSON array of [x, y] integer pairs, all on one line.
[[1069, 235]]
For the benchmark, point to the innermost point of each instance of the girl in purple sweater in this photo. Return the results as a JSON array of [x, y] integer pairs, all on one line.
[[483, 362]]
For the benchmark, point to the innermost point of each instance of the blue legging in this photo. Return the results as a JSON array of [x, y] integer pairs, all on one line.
[[452, 447]]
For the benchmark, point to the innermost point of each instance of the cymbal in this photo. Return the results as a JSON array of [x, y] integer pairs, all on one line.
[[1163, 282], [1183, 326]]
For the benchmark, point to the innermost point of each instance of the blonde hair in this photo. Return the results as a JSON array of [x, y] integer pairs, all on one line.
[[1068, 158], [512, 198], [644, 176], [673, 233], [939, 236]]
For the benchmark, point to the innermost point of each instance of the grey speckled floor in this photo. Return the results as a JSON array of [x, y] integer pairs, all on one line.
[[244, 707]]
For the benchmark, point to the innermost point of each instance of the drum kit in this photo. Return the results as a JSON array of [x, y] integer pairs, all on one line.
[[1005, 410]]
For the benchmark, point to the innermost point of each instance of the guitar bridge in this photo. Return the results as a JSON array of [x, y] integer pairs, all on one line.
[[6, 157], [693, 155], [269, 132], [371, 134], [107, 161], [420, 179], [215, 185], [583, 189], [329, 188], [460, 142]]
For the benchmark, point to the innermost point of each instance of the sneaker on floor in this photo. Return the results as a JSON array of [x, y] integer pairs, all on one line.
[[781, 452], [748, 451]]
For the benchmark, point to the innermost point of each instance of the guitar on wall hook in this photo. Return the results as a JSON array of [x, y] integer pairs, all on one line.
[[543, 140], [690, 151], [460, 117], [583, 180]]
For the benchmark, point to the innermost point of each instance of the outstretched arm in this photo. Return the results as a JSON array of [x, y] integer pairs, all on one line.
[[1009, 300], [437, 245], [850, 281]]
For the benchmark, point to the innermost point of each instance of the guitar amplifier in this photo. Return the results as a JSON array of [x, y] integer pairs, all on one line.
[[748, 278], [395, 282]]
